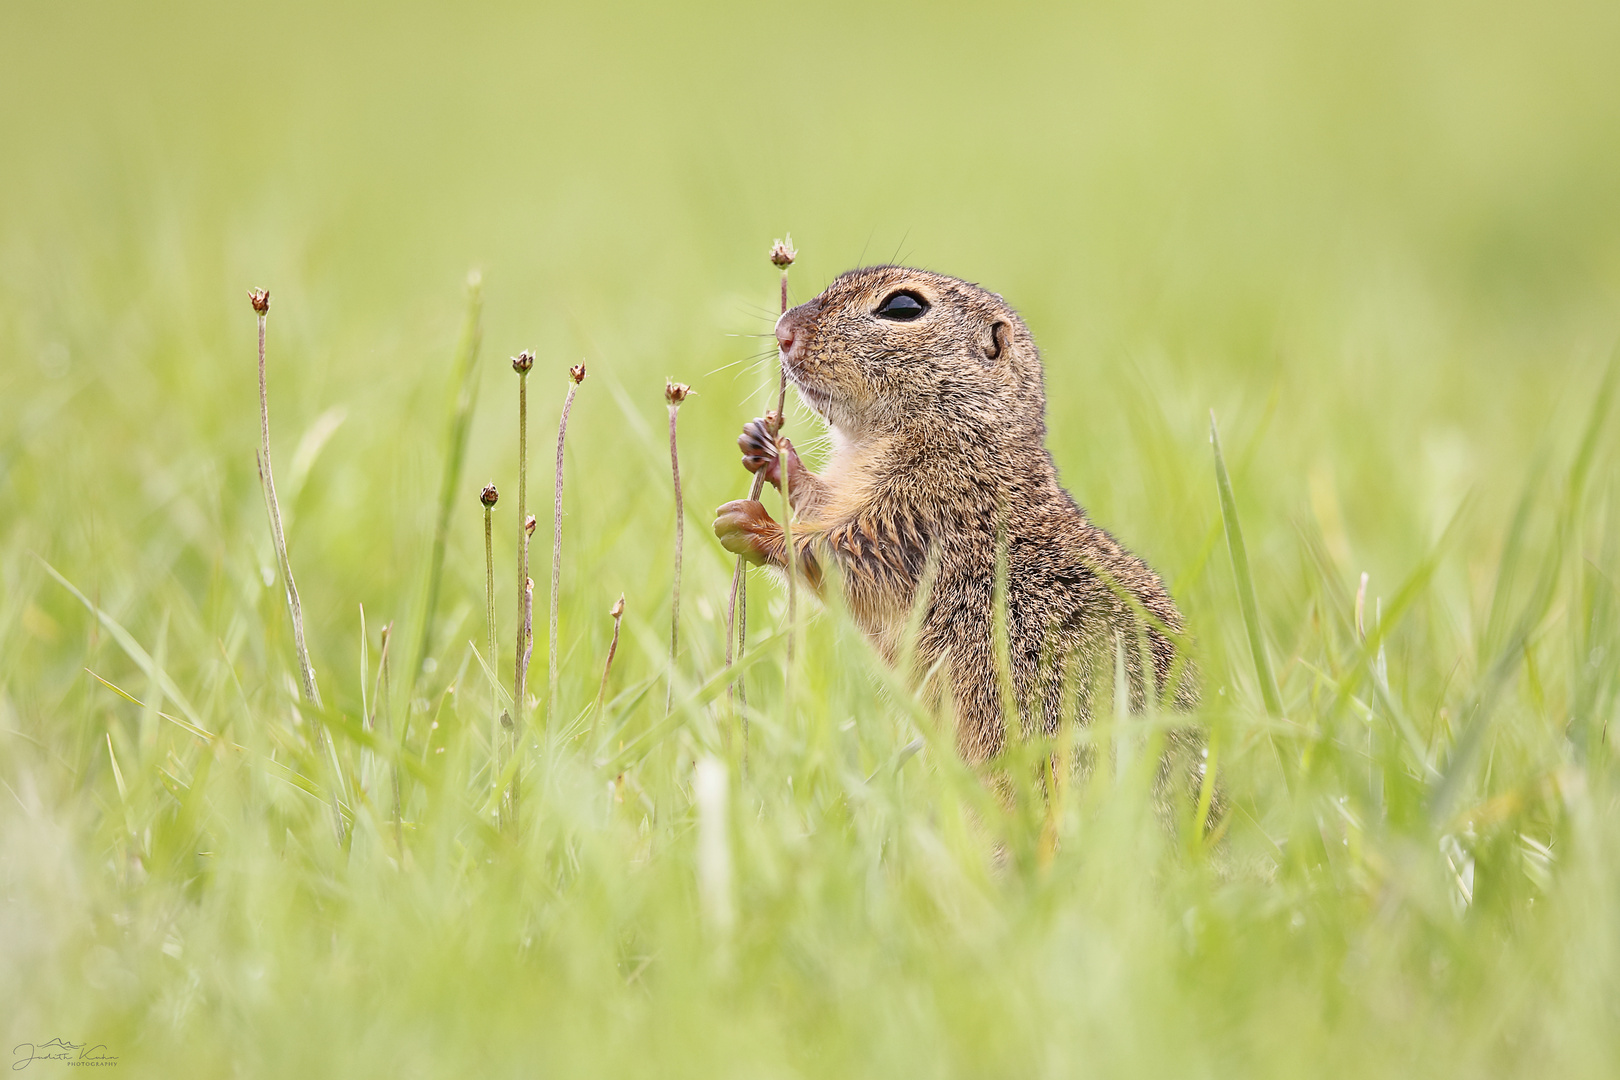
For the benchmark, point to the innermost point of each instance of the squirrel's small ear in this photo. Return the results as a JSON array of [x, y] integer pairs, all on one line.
[[996, 340]]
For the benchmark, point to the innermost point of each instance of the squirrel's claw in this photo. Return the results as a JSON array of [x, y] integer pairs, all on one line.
[[758, 442], [740, 525], [758, 446]]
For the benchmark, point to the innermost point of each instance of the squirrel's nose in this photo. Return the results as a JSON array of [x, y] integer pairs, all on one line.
[[784, 334]]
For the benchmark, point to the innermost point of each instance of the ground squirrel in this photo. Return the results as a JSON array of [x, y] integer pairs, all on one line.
[[933, 392]]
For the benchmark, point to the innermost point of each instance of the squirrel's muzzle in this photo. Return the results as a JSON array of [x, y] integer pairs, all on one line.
[[793, 330], [786, 333]]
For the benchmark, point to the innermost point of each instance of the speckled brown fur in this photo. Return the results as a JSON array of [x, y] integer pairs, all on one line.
[[939, 461]]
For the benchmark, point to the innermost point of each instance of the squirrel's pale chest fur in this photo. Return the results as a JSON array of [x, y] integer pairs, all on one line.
[[854, 489]]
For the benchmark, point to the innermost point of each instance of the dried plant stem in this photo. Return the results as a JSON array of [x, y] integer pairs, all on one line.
[[466, 384], [792, 569], [520, 650], [312, 692], [739, 578], [576, 376], [489, 611], [680, 537], [738, 624], [737, 691], [617, 611], [514, 728], [306, 670], [782, 256], [528, 623]]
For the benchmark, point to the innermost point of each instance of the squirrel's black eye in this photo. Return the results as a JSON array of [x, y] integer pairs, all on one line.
[[903, 306]]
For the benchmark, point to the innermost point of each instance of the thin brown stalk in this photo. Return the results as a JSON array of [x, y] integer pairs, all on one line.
[[312, 693], [489, 496], [792, 568], [528, 620], [782, 256], [674, 394], [576, 375], [522, 363], [739, 579], [509, 805], [617, 612], [525, 623]]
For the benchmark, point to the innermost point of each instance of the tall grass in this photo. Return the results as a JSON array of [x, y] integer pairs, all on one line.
[[824, 889]]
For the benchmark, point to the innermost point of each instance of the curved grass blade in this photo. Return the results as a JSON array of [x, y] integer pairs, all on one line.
[[1245, 581]]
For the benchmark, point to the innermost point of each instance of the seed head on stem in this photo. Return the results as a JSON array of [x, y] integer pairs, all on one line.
[[783, 253], [260, 299], [782, 256], [576, 375], [674, 394], [522, 363], [488, 497]]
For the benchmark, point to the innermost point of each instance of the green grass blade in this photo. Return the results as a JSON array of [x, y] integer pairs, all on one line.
[[135, 652], [1446, 790], [1245, 581], [1507, 567], [466, 382], [1582, 465]]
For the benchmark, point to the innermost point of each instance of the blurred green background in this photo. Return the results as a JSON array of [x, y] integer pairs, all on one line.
[[1380, 240], [1398, 219]]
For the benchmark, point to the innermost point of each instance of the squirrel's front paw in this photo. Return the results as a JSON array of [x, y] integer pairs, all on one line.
[[742, 527], [758, 445]]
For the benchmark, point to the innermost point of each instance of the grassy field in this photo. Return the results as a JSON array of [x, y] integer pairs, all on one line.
[[1380, 241]]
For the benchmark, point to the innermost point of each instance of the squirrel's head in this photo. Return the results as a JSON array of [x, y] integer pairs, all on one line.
[[888, 349]]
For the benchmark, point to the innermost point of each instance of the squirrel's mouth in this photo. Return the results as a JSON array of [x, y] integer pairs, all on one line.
[[817, 399]]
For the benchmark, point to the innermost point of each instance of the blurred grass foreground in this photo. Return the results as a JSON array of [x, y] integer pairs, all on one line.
[[1381, 241]]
